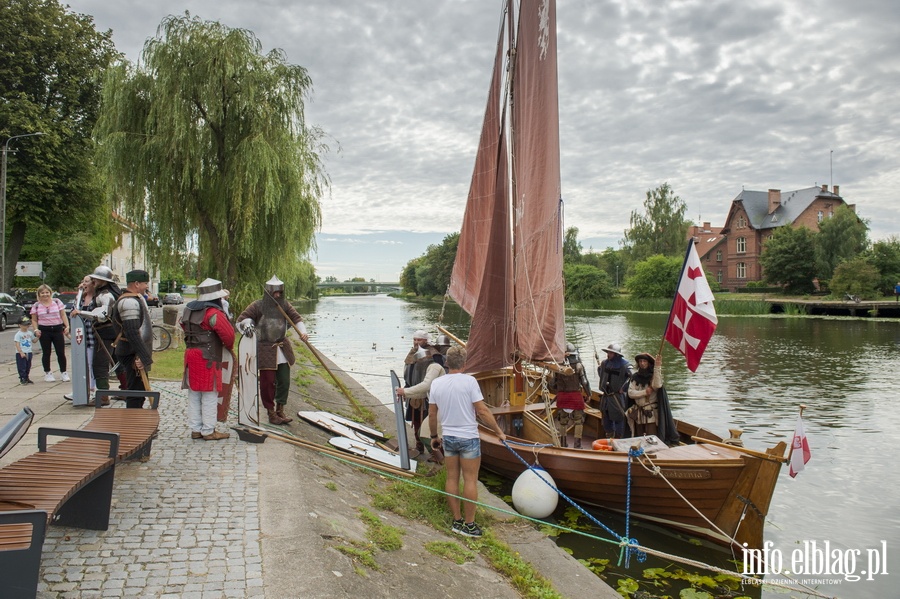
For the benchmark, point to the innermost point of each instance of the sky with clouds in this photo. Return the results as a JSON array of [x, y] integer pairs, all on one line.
[[709, 96]]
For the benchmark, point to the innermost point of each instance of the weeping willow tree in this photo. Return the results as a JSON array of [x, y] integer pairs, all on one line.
[[205, 144]]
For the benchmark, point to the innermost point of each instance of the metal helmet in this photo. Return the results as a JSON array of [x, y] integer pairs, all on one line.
[[442, 340], [103, 273], [209, 290], [570, 349], [275, 284]]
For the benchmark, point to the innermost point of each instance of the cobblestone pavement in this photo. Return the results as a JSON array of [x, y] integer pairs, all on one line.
[[184, 524]]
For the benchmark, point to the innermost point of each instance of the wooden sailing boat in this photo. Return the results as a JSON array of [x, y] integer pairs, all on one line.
[[508, 277]]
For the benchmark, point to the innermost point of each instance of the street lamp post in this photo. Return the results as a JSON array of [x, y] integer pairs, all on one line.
[[3, 274], [617, 277]]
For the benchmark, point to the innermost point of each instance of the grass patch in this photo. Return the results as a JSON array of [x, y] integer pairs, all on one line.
[[794, 309], [306, 371], [360, 553], [451, 551], [385, 536], [331, 486], [361, 412], [423, 504], [168, 364], [381, 537]]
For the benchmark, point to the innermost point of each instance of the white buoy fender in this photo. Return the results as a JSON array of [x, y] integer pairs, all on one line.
[[533, 497]]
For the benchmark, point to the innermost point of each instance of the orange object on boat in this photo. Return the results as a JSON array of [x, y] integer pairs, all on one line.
[[601, 445]]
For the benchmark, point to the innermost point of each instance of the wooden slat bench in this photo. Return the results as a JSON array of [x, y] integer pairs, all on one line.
[[67, 484], [136, 428]]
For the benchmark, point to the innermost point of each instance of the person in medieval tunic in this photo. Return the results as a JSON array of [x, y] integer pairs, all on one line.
[[643, 391], [266, 319], [98, 309], [418, 359], [569, 398], [615, 372], [418, 394], [134, 339], [207, 334]]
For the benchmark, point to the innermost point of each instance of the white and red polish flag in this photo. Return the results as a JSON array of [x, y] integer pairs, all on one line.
[[800, 453], [692, 320]]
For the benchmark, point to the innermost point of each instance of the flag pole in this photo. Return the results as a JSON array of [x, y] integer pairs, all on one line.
[[687, 255], [791, 452]]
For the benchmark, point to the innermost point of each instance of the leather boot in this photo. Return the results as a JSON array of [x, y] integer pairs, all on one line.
[[284, 417], [274, 418], [563, 441], [577, 443]]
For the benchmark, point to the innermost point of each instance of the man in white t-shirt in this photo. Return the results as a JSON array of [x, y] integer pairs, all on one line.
[[456, 401]]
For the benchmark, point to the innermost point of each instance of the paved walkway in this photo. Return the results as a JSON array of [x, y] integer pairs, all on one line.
[[191, 530]]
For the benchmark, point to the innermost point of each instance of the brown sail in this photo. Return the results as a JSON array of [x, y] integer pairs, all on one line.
[[512, 287], [483, 267], [539, 303]]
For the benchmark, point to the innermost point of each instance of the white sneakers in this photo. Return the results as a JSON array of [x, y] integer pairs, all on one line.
[[65, 377], [49, 378]]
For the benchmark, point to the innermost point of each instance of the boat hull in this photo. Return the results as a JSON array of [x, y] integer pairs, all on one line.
[[706, 490]]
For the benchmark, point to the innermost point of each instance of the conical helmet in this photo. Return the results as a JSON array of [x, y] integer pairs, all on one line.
[[275, 284], [103, 273], [209, 290]]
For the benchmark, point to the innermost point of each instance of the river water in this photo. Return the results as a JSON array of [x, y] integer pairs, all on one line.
[[754, 375]]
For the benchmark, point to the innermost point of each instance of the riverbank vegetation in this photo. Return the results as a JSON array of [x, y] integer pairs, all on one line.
[[835, 261]]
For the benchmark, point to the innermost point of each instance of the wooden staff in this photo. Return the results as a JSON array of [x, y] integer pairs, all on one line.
[[455, 339], [756, 454], [144, 378], [341, 454], [314, 351]]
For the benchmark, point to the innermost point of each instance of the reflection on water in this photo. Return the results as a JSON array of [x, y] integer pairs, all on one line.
[[754, 375]]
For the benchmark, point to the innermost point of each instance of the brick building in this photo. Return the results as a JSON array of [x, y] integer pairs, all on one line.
[[731, 254]]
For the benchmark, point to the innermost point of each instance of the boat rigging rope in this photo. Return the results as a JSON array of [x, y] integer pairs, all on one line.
[[657, 471], [627, 546]]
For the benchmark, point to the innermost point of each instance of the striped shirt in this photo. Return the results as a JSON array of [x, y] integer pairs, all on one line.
[[48, 316]]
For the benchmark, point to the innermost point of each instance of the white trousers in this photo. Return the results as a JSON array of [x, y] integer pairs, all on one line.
[[202, 411]]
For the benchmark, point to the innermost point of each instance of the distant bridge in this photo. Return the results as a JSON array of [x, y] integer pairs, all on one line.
[[375, 285]]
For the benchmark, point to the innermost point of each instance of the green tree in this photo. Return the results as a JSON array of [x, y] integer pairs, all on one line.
[[70, 259], [408, 275], [856, 276], [206, 139], [885, 256], [657, 276], [840, 238], [429, 274], [571, 247], [662, 229], [788, 259], [49, 73], [585, 282]]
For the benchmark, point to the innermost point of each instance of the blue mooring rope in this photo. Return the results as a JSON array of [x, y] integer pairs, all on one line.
[[627, 545]]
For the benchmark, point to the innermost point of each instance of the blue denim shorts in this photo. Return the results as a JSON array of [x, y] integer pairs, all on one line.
[[467, 449]]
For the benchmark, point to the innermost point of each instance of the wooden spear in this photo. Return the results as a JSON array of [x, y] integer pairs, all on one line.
[[337, 453], [314, 351]]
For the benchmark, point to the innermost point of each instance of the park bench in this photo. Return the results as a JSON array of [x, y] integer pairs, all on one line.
[[60, 484], [136, 428]]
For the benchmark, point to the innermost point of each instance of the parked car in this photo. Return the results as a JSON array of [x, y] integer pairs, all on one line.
[[173, 298], [26, 299], [68, 300], [152, 300], [11, 313]]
